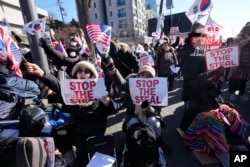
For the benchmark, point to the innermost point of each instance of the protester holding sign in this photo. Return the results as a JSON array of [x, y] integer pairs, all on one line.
[[135, 111], [90, 118], [238, 76], [192, 60], [166, 57]]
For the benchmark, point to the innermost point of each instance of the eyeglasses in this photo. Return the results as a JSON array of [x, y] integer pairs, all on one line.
[[86, 71]]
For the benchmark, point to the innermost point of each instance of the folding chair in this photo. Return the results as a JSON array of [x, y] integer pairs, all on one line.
[[102, 144]]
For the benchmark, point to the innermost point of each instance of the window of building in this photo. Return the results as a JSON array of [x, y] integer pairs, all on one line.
[[110, 13], [94, 5], [123, 33], [111, 24], [120, 2], [123, 23], [109, 2], [96, 16], [122, 12]]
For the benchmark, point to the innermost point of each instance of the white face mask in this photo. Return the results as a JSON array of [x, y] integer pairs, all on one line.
[[199, 30], [24, 50], [72, 54], [73, 43]]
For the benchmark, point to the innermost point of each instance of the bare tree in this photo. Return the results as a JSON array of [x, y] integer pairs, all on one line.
[[84, 18]]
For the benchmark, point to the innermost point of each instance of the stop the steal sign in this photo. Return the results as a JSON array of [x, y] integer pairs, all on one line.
[[226, 57]]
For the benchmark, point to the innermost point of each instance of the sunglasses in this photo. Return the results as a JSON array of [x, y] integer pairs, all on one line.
[[86, 71]]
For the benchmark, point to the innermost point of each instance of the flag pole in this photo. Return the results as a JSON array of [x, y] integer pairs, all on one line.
[[29, 13], [159, 22]]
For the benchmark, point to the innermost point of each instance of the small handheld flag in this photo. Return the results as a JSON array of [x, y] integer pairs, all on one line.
[[35, 26]]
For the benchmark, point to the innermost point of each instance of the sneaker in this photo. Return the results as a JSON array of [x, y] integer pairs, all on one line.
[[233, 97], [59, 161], [244, 98]]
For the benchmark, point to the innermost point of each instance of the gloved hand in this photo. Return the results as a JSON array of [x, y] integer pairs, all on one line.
[[42, 43], [108, 63], [13, 33], [217, 75]]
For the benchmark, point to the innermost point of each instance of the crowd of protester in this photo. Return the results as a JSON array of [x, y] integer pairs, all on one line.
[[200, 90]]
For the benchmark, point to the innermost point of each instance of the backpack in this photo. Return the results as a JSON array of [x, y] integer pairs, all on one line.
[[32, 120], [142, 148], [8, 100], [19, 152]]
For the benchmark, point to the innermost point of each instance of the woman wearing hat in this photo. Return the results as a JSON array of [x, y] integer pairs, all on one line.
[[134, 112], [89, 119]]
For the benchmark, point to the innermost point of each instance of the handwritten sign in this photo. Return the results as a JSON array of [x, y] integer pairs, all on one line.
[[226, 57], [174, 31], [152, 89], [145, 60], [76, 91]]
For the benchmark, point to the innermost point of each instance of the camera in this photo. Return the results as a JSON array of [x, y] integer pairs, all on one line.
[[146, 108]]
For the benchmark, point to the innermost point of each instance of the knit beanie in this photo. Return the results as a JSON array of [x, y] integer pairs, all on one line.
[[147, 68], [86, 65], [143, 54]]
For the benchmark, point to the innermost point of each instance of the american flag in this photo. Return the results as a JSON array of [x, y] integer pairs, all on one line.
[[14, 54], [61, 49], [212, 28], [99, 33]]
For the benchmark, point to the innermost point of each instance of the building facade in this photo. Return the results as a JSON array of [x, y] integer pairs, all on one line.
[[176, 20], [127, 17], [11, 11]]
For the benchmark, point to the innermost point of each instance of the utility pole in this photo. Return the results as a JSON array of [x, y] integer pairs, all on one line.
[[159, 20], [84, 18], [62, 11], [29, 13]]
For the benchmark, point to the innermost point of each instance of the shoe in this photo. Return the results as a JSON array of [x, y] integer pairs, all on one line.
[[69, 158], [166, 148], [59, 161], [244, 98], [233, 97]]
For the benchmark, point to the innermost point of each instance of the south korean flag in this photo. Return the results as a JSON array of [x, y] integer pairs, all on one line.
[[35, 26]]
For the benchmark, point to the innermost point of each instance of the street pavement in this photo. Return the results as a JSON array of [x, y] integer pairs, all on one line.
[[172, 114]]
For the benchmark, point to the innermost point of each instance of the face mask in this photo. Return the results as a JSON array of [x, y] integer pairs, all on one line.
[[73, 43], [72, 54], [199, 30], [24, 50]]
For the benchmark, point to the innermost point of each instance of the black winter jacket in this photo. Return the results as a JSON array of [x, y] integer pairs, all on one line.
[[88, 121], [125, 60]]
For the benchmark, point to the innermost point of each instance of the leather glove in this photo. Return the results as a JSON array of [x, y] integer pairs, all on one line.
[[108, 63], [13, 33], [43, 43]]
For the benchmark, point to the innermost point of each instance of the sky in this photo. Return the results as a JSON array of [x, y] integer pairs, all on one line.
[[231, 14]]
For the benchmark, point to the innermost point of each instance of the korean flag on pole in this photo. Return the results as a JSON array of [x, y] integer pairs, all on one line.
[[35, 26]]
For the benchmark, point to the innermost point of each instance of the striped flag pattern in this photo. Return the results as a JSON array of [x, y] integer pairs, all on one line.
[[99, 33], [61, 49], [12, 50]]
